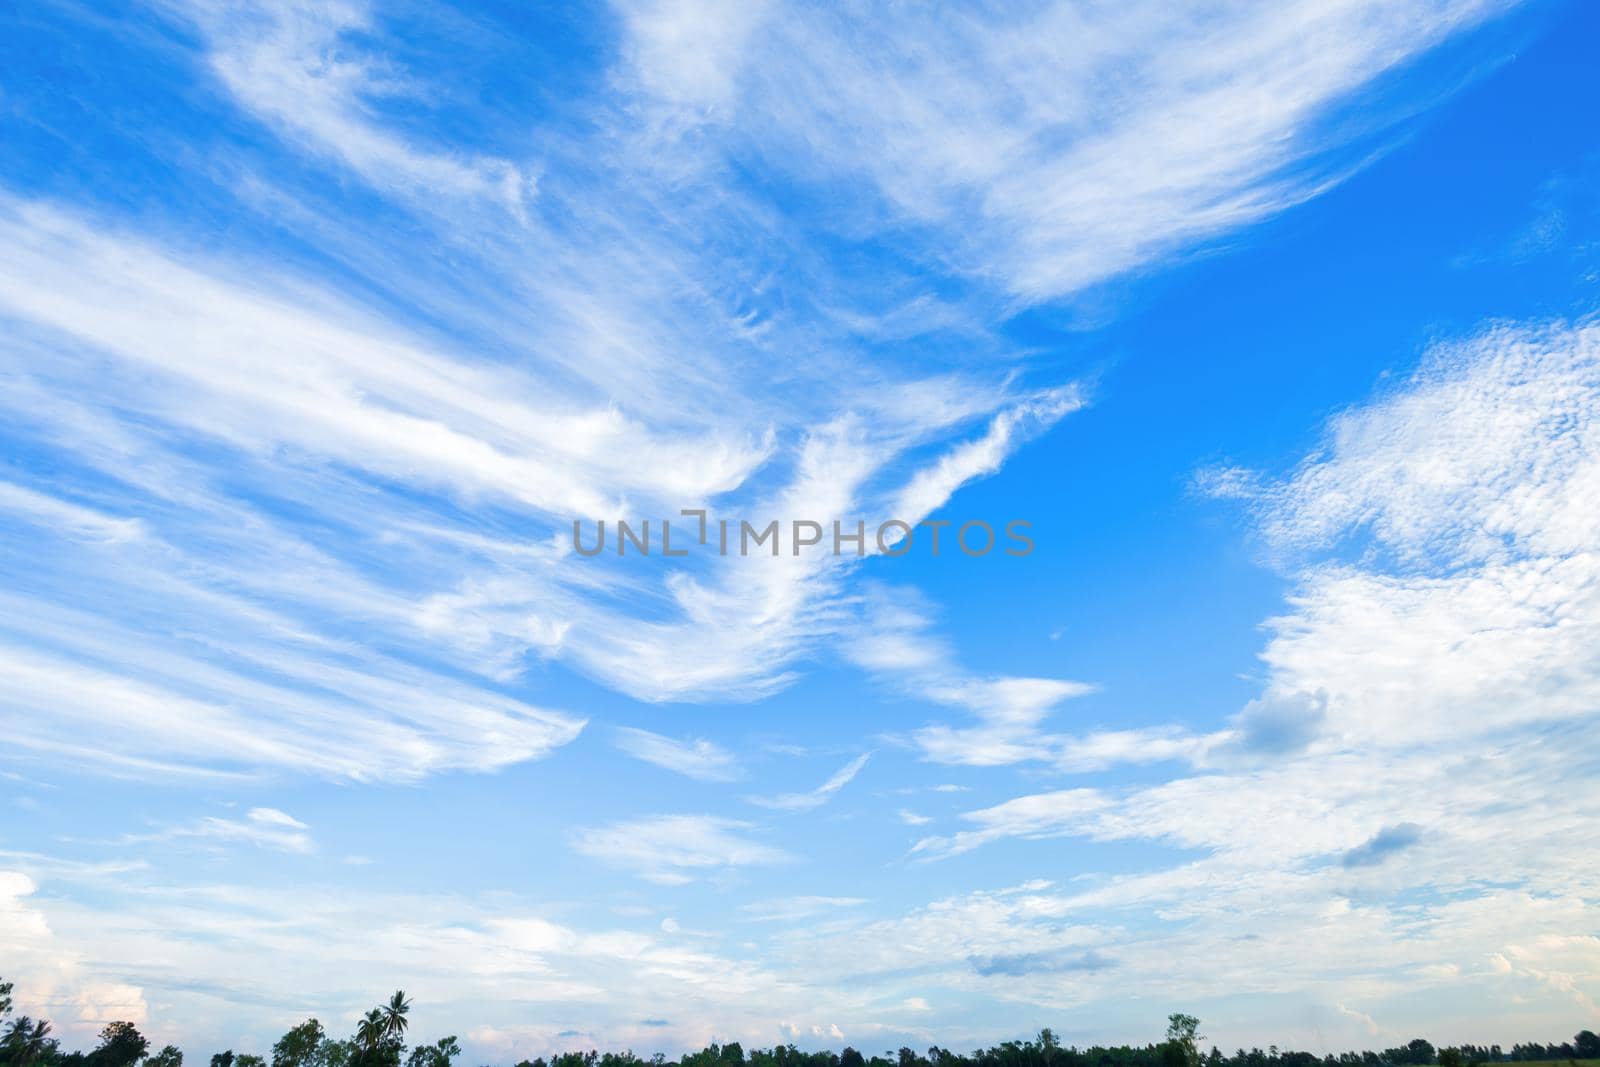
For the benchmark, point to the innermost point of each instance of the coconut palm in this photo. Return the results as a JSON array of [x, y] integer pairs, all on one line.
[[394, 1015], [16, 1033], [370, 1031], [25, 1041]]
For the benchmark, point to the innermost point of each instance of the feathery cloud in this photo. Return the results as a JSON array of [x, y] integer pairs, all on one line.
[[818, 796], [699, 759]]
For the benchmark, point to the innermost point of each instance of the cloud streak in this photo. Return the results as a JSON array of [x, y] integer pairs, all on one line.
[[698, 759], [819, 796], [675, 849], [262, 827]]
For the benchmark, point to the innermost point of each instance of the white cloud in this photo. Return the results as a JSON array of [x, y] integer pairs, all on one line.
[[1485, 454], [895, 641], [675, 849], [1475, 479], [53, 979], [262, 827], [606, 362], [1361, 1017], [256, 365], [164, 713], [1472, 474], [1062, 147], [820, 795], [795, 909], [932, 487], [301, 68], [690, 51], [74, 520], [1102, 749], [1446, 648], [475, 960], [1054, 814], [698, 759], [1010, 712], [327, 405], [336, 405]]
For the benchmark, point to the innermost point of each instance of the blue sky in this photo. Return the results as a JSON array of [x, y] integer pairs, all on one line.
[[323, 322]]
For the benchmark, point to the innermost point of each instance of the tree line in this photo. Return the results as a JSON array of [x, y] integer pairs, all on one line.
[[380, 1041]]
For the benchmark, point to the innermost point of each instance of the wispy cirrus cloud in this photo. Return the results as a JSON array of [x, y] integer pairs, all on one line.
[[304, 492], [895, 640], [699, 759], [302, 68], [577, 397], [1054, 814], [819, 796], [71, 519], [676, 849], [261, 827], [796, 909], [1055, 150]]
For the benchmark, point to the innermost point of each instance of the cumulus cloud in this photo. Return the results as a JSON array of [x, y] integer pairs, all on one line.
[[57, 981], [1475, 478], [1437, 632]]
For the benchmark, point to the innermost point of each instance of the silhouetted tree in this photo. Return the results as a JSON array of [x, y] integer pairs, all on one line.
[[379, 1042], [121, 1045], [305, 1045], [26, 1042], [394, 1015], [1182, 1047], [369, 1032], [439, 1054]]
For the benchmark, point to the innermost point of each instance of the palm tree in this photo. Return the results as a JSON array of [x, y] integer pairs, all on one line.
[[16, 1033], [370, 1031], [25, 1041], [394, 1015]]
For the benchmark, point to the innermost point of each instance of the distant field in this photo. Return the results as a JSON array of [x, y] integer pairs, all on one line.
[[1555, 1063]]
